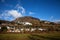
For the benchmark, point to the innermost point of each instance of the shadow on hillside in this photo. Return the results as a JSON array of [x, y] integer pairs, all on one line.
[[39, 37]]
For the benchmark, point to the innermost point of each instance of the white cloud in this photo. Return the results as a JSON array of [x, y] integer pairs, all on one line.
[[14, 13], [4, 15], [51, 18], [31, 13], [43, 19], [56, 20], [20, 8], [2, 0], [7, 14]]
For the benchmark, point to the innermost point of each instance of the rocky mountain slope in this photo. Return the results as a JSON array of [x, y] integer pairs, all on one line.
[[34, 21]]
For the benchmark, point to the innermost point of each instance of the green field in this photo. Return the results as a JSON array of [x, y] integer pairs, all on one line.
[[37, 36]]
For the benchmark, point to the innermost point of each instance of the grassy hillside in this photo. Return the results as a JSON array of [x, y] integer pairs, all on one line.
[[41, 36]]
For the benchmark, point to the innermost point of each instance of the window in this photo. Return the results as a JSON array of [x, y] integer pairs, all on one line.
[[12, 27]]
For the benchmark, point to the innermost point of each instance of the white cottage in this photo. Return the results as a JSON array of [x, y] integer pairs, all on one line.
[[27, 23], [27, 29], [33, 29], [11, 28], [41, 29], [17, 30]]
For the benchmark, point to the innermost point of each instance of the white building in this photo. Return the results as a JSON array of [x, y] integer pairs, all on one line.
[[27, 29], [17, 30], [22, 29], [10, 28], [0, 27], [41, 29], [33, 29], [25, 23]]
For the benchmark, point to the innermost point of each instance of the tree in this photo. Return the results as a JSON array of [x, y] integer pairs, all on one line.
[[4, 29]]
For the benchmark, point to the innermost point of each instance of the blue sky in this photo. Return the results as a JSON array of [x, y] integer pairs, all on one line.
[[43, 9]]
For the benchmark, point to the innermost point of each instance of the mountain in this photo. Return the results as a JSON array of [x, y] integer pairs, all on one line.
[[4, 21], [58, 22], [25, 18], [34, 21], [28, 20]]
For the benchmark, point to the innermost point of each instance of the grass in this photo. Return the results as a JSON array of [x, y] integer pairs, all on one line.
[[37, 36], [45, 36], [14, 36]]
